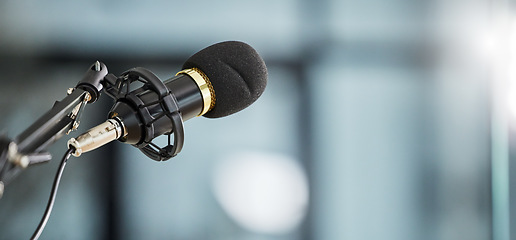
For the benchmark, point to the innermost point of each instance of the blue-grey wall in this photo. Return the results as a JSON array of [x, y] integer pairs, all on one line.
[[382, 111]]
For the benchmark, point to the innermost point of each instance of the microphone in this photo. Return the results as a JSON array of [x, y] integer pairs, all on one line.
[[217, 81]]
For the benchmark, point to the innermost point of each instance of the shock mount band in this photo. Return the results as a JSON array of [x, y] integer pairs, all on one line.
[[120, 89]]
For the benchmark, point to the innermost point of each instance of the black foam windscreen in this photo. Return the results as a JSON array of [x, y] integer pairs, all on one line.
[[236, 71]]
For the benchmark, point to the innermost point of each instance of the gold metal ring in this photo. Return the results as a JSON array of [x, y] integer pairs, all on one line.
[[204, 84]]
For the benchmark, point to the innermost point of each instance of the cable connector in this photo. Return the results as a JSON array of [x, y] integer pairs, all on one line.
[[97, 136]]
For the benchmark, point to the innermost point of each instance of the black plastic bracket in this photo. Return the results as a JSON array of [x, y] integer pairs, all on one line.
[[120, 90], [91, 82]]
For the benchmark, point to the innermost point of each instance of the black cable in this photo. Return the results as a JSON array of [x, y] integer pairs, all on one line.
[[52, 198]]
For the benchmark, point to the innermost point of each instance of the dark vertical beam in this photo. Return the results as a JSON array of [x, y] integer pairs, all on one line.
[[112, 169], [305, 143], [316, 34], [106, 174], [112, 193], [512, 179]]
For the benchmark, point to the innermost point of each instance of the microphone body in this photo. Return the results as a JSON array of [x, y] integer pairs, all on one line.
[[182, 87]]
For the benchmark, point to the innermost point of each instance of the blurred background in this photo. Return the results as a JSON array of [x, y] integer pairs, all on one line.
[[381, 120]]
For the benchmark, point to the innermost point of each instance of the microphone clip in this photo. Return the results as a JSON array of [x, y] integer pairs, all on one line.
[[120, 90]]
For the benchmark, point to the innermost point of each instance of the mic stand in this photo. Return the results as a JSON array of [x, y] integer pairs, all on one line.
[[30, 147]]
